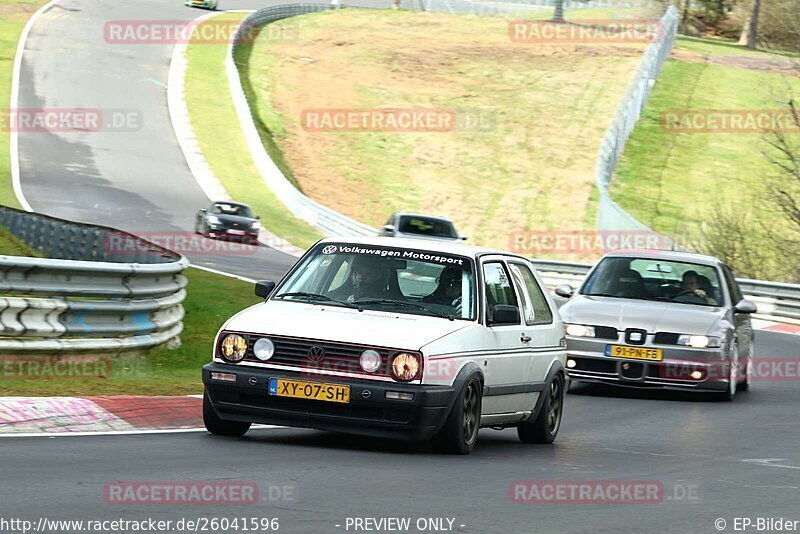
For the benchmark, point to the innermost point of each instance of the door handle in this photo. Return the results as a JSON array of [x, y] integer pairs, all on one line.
[[525, 339]]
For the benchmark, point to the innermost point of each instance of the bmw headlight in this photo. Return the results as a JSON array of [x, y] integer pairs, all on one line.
[[233, 348], [579, 330], [406, 367], [699, 342], [256, 225], [264, 348], [370, 360], [213, 219]]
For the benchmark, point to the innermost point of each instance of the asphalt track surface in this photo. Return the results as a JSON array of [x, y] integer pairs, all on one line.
[[736, 460]]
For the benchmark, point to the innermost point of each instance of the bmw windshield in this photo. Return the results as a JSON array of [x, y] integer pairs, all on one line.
[[654, 279], [384, 278]]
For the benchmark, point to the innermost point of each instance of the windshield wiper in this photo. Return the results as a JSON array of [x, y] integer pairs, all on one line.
[[407, 304], [317, 296]]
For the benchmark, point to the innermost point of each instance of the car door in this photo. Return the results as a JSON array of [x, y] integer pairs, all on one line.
[[741, 321], [537, 314], [506, 356]]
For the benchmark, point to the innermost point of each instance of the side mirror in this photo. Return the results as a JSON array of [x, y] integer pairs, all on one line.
[[463, 238], [258, 217], [264, 288], [203, 210], [565, 290], [745, 306], [504, 314], [388, 228]]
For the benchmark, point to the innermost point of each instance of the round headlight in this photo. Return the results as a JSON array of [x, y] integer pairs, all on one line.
[[405, 366], [264, 348], [233, 347], [370, 360]]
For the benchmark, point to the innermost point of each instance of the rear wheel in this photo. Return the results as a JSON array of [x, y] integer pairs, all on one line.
[[218, 426], [544, 428], [460, 431]]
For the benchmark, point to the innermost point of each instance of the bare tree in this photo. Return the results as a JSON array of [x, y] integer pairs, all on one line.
[[750, 30]]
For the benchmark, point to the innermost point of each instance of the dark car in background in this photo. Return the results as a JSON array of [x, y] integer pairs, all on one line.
[[416, 226], [228, 220]]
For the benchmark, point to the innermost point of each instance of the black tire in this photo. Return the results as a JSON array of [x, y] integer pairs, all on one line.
[[733, 365], [220, 427], [460, 431], [544, 428]]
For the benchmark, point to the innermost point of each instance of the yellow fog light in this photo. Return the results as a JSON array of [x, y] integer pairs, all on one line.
[[405, 366], [233, 347]]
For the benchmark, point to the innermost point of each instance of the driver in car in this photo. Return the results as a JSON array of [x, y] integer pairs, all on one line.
[[369, 279], [691, 284]]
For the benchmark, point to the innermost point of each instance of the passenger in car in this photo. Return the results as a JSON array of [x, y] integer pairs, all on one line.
[[448, 292]]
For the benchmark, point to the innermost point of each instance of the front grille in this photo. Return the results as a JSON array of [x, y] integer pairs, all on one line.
[[635, 336], [338, 357]]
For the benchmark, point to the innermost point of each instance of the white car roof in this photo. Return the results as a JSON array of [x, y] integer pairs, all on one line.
[[445, 247], [667, 255]]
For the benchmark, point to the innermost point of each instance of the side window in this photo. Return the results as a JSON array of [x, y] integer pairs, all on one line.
[[733, 286], [498, 287], [535, 307]]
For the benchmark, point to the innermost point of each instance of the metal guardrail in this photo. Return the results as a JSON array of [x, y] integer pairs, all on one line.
[[99, 289], [776, 301], [610, 215], [325, 219]]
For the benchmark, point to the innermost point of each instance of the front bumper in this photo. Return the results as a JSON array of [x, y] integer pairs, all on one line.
[[673, 372], [221, 231], [372, 414]]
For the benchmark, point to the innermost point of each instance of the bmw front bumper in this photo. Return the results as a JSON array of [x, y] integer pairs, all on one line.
[[369, 412]]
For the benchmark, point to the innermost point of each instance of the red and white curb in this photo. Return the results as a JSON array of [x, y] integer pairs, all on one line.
[[198, 166], [21, 416], [771, 326]]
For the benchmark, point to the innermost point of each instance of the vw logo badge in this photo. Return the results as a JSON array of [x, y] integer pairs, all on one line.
[[365, 393], [253, 380], [316, 354], [330, 249]]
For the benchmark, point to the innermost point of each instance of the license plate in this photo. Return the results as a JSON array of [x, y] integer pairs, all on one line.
[[299, 389], [634, 353], [236, 232]]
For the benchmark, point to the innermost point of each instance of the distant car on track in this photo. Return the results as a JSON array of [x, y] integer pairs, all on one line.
[[394, 338], [416, 226], [205, 4], [660, 319], [228, 219]]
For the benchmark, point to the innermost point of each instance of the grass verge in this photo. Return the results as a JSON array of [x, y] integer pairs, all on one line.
[[671, 180], [216, 127], [529, 117]]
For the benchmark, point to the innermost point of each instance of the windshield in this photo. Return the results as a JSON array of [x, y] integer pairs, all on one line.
[[426, 226], [384, 278], [651, 279], [221, 208]]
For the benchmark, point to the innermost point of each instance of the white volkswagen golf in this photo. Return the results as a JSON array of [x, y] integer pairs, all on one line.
[[394, 338]]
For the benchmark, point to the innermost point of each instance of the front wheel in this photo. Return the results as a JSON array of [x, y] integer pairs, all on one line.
[[218, 426], [460, 431], [544, 428], [733, 377]]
